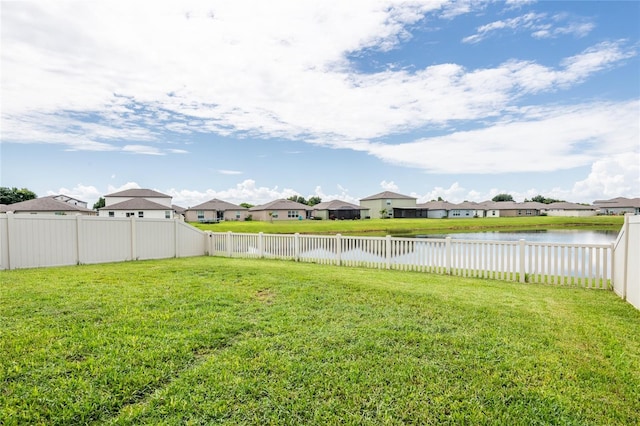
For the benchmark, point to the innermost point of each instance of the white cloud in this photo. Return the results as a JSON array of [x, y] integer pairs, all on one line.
[[245, 192], [142, 149], [388, 186], [229, 172], [276, 73], [343, 194], [540, 25], [87, 193], [610, 177], [544, 139]]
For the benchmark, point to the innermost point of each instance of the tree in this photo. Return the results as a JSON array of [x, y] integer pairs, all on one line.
[[246, 205], [502, 197], [99, 204], [541, 199], [15, 195], [297, 199], [312, 201]]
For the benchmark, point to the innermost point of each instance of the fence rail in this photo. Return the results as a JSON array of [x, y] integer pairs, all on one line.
[[585, 265]]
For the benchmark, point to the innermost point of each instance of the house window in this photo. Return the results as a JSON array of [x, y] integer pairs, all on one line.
[[167, 214], [200, 214], [237, 215], [529, 212], [388, 202], [292, 213], [456, 213], [140, 214], [112, 214]]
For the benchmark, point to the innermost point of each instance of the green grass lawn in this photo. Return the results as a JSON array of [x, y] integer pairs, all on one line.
[[416, 226], [236, 341]]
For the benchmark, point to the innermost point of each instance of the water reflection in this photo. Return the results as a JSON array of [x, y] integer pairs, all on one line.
[[560, 236]]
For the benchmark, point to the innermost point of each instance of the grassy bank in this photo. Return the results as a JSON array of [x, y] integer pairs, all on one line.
[[217, 340], [416, 226]]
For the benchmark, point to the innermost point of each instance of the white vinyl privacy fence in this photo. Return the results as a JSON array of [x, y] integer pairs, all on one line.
[[626, 261], [28, 241]]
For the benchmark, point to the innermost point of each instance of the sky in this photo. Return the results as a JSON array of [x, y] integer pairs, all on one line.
[[251, 101]]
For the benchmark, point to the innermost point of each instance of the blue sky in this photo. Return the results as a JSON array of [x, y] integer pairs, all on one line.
[[250, 101]]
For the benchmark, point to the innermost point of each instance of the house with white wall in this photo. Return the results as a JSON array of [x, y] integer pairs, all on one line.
[[140, 203]]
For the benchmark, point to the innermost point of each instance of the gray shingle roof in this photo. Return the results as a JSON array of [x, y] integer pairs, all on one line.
[[567, 206], [388, 195], [336, 205], [618, 202], [144, 193], [136, 204], [46, 204], [217, 205], [281, 205]]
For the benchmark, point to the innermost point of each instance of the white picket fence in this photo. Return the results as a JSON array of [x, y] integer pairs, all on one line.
[[585, 265]]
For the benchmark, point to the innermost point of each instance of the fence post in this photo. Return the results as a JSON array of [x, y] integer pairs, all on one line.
[[296, 246], [260, 245], [625, 267], [176, 238], [388, 251], [338, 249], [10, 237], [134, 239], [79, 248], [229, 251], [208, 237], [447, 260], [522, 261]]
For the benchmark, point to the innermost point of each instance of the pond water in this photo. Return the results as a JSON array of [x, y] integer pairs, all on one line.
[[562, 236]]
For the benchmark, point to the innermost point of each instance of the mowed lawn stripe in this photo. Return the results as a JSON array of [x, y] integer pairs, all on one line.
[[237, 341]]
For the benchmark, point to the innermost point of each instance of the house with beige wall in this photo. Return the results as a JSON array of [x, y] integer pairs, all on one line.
[[280, 210], [215, 211], [388, 204]]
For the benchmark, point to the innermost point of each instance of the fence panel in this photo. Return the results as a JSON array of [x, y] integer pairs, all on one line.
[[31, 241], [549, 263]]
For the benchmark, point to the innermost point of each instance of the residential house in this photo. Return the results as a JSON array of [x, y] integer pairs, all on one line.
[[70, 200], [337, 209], [280, 210], [49, 205], [437, 209], [619, 205], [512, 208], [141, 203], [466, 210], [568, 210], [178, 212], [389, 204], [214, 211]]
